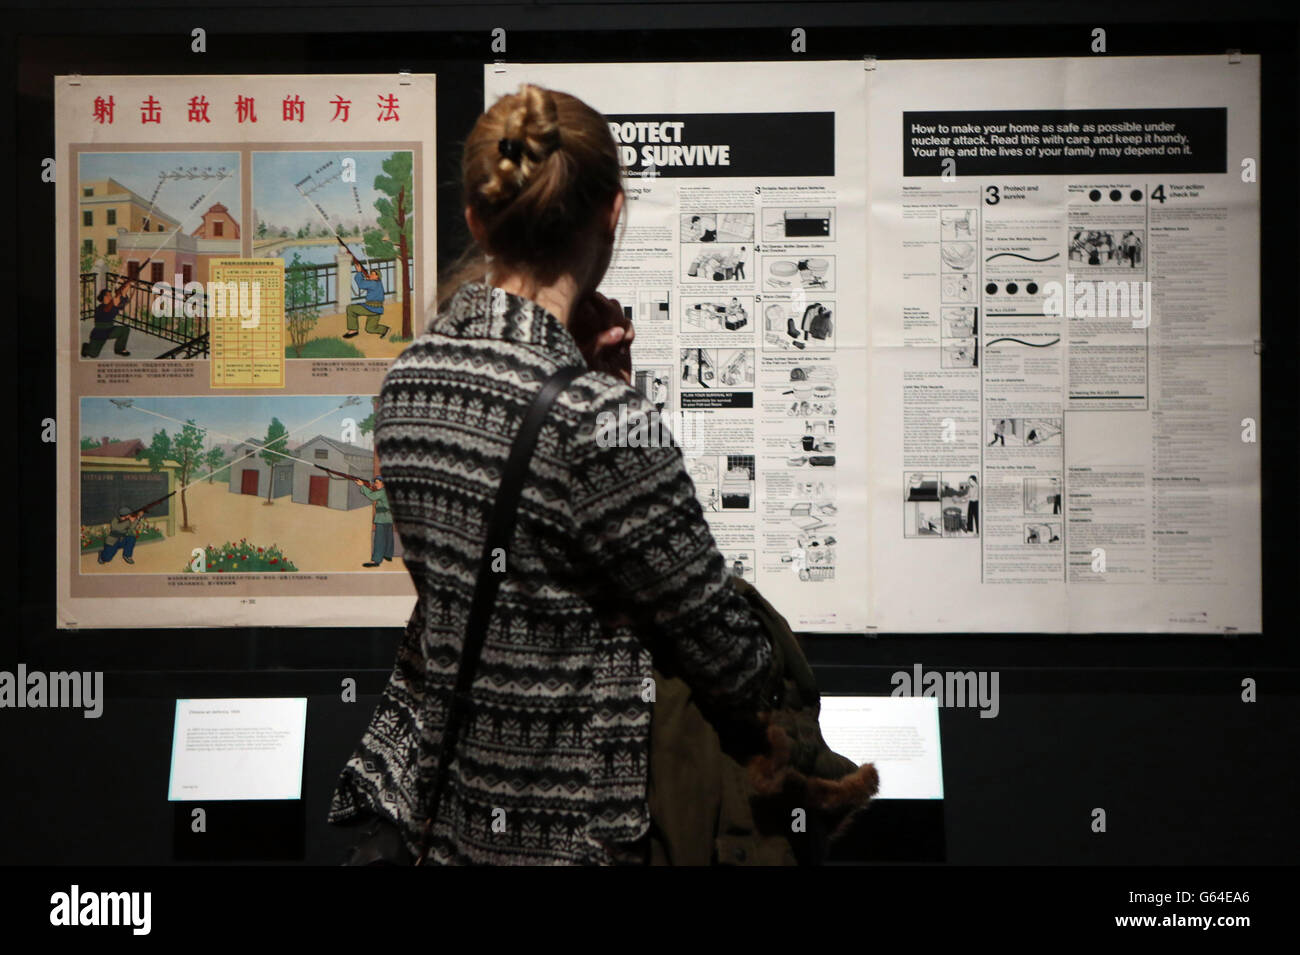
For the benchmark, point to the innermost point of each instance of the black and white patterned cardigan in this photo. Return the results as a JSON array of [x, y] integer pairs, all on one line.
[[551, 764]]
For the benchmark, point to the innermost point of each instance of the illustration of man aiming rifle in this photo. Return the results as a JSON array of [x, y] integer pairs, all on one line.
[[369, 285], [122, 534], [381, 536], [110, 304]]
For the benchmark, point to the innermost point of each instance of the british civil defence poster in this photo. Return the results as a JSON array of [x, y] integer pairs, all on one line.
[[742, 269], [1063, 270]]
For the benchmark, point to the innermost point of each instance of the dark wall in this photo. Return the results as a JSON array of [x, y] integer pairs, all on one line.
[[1150, 727]]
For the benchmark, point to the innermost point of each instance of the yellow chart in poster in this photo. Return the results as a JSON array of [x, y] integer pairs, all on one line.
[[246, 322]]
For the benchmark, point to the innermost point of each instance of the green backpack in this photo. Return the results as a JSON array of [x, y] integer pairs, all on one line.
[[724, 789]]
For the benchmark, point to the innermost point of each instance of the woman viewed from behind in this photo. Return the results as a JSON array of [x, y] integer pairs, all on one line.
[[551, 763]]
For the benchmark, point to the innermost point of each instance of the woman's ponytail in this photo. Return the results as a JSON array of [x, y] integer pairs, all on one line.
[[530, 134]]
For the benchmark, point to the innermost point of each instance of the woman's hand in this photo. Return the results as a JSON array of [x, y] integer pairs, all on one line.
[[604, 335]]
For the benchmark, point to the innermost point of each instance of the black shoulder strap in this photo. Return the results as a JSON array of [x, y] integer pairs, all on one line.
[[501, 528]]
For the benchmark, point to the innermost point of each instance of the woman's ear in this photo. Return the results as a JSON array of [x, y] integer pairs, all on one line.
[[615, 211], [475, 226]]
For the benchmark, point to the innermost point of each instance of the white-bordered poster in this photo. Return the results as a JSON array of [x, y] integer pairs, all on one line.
[[240, 259]]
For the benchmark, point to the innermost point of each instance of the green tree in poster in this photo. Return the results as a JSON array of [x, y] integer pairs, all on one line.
[[90, 444], [367, 424], [183, 453], [112, 262], [213, 461], [393, 237], [277, 440], [300, 310]]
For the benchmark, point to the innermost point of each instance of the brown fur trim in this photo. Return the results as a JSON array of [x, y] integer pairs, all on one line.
[[771, 774], [768, 772], [850, 791]]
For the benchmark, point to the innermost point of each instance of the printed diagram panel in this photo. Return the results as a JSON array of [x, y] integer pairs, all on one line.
[[723, 482], [1023, 432], [941, 504], [798, 325], [711, 368], [705, 227], [782, 273], [781, 224], [722, 314], [711, 263]]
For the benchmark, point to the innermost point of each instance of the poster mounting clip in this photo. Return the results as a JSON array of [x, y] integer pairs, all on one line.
[[1234, 56], [869, 62]]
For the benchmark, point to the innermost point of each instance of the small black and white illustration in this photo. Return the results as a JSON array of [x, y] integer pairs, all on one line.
[[822, 371], [957, 224], [1022, 432], [941, 504], [922, 511], [812, 450], [702, 369], [1049, 533], [651, 306], [814, 555], [626, 298], [957, 288], [957, 256], [704, 472], [740, 563], [960, 495], [959, 353], [711, 262], [722, 313], [723, 482], [820, 492], [784, 273], [798, 326], [816, 437], [811, 397], [816, 400], [1042, 495], [811, 516], [1040, 431], [642, 306], [655, 382], [959, 321], [800, 223], [1107, 248], [717, 227]]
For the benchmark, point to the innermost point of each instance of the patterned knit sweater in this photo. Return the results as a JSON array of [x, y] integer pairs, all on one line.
[[551, 763]]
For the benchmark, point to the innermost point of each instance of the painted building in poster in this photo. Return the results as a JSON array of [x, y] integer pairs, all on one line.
[[251, 474], [311, 485]]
